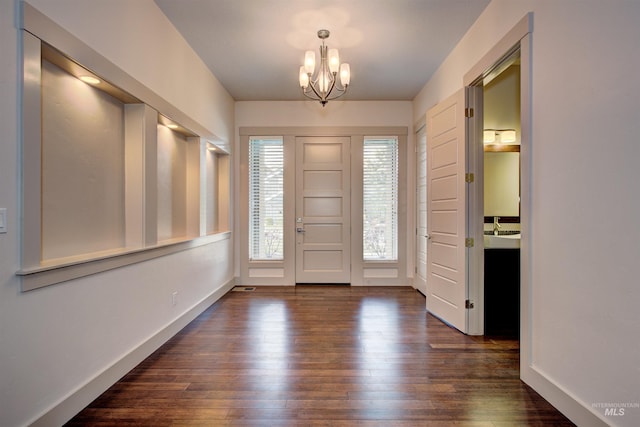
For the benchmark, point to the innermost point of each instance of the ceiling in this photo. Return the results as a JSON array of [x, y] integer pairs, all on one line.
[[255, 47]]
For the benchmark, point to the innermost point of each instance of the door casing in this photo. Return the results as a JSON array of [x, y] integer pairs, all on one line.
[[518, 38], [389, 273], [420, 247]]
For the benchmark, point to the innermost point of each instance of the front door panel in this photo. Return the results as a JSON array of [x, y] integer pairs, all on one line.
[[323, 210]]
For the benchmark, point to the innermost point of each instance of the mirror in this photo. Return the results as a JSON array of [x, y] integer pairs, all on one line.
[[501, 184]]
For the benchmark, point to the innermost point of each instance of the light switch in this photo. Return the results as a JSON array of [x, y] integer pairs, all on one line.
[[3, 220]]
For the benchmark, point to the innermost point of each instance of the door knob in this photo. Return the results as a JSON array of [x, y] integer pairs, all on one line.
[[300, 229]]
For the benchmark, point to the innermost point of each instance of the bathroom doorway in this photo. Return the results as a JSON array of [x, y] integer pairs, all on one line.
[[494, 197], [512, 53], [501, 134]]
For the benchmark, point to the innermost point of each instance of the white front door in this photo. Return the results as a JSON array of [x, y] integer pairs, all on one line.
[[446, 211], [420, 280], [323, 209]]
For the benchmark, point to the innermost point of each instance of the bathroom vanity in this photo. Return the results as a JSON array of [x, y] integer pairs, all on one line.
[[502, 286]]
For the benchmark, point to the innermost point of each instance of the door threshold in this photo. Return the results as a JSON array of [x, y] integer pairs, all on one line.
[[323, 284]]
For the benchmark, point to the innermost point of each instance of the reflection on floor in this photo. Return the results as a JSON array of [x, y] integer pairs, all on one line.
[[323, 356]]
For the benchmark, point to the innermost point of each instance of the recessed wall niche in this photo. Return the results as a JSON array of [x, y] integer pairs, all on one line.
[[216, 176], [108, 180], [172, 184], [82, 167]]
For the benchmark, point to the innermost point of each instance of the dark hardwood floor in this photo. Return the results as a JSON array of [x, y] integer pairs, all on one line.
[[323, 356]]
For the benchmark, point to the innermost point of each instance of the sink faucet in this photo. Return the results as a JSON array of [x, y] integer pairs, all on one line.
[[496, 225]]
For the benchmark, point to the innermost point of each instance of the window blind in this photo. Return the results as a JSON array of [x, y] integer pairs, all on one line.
[[380, 199], [266, 170]]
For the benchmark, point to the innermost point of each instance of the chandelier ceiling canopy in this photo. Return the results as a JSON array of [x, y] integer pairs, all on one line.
[[323, 85]]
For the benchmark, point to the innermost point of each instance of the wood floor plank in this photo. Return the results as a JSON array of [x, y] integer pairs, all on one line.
[[323, 356]]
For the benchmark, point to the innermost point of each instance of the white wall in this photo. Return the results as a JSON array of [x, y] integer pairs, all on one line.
[[335, 113], [55, 340], [585, 205]]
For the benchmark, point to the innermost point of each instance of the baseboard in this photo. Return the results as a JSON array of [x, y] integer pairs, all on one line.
[[68, 407], [579, 413]]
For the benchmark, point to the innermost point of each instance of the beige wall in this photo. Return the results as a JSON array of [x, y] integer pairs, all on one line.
[[501, 110], [83, 167], [501, 97], [172, 184]]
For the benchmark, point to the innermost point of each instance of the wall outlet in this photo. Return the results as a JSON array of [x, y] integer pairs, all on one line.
[[174, 298]]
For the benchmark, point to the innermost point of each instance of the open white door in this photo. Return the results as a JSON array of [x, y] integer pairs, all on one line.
[[446, 211], [323, 210]]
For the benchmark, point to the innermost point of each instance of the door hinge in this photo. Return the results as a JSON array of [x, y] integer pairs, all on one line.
[[468, 112], [469, 177], [468, 242], [468, 304]]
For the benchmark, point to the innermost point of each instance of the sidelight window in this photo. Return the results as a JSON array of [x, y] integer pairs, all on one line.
[[380, 198], [266, 169]]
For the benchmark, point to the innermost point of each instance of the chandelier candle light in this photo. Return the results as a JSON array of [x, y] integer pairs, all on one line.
[[324, 86]]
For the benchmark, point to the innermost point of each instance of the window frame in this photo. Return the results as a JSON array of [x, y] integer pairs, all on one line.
[[391, 255], [256, 254]]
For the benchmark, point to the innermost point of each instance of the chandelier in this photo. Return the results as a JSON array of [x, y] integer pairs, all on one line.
[[324, 86]]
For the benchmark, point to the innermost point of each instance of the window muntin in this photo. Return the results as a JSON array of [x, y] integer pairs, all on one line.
[[266, 190], [380, 199]]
